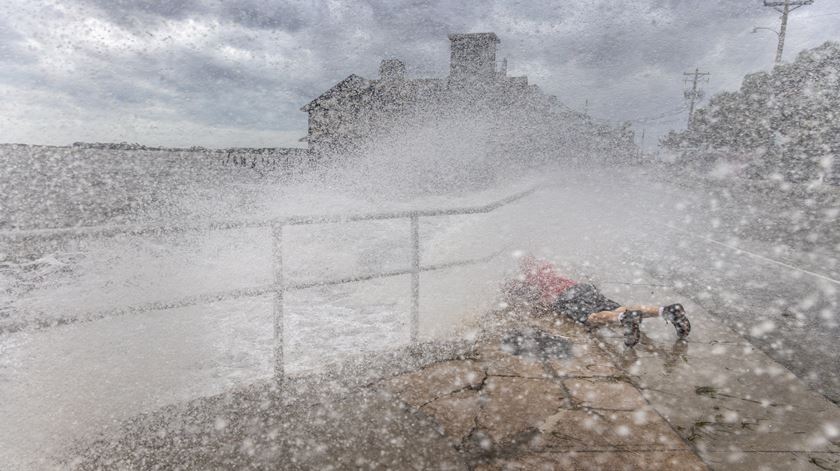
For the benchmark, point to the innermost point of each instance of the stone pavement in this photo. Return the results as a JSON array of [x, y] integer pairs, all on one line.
[[530, 392], [540, 394]]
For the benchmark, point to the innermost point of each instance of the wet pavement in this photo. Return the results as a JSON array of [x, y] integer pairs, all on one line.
[[735, 406], [532, 392], [540, 394]]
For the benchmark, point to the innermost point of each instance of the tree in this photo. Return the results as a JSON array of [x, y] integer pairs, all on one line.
[[786, 121]]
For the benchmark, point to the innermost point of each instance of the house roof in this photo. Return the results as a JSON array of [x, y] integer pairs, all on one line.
[[351, 85]]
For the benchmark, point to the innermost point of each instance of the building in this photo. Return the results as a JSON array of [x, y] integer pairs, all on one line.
[[357, 110]]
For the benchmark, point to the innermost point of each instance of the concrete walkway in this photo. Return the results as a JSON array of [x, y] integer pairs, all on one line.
[[547, 394], [530, 393], [540, 394]]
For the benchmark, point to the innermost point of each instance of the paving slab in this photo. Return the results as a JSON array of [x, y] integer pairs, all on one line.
[[604, 394], [439, 380], [772, 461], [525, 367], [591, 430], [588, 359], [513, 405], [456, 414], [601, 461]]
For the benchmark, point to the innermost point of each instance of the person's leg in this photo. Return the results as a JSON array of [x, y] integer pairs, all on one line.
[[646, 310], [631, 317], [628, 316], [579, 301], [605, 317], [614, 316], [673, 313]]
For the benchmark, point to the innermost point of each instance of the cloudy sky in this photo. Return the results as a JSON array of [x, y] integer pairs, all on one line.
[[235, 72]]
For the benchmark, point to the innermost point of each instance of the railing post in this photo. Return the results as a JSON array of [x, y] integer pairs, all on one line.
[[279, 289], [415, 278]]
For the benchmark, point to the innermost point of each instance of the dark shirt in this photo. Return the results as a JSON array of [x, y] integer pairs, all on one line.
[[581, 300]]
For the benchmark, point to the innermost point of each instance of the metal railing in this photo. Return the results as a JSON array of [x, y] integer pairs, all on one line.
[[279, 285]]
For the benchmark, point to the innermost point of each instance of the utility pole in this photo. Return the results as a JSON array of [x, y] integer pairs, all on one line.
[[694, 93], [784, 7], [642, 146]]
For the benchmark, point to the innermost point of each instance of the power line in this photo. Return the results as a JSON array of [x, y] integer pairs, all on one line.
[[821, 14], [787, 6], [695, 93], [645, 119], [666, 114]]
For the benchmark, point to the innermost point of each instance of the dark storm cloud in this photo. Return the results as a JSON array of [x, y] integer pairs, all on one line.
[[288, 16], [291, 15], [626, 34], [135, 12], [250, 64]]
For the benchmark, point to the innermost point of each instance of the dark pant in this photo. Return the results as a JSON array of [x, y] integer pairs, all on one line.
[[581, 300]]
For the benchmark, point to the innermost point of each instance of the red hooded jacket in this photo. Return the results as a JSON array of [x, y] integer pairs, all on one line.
[[542, 276]]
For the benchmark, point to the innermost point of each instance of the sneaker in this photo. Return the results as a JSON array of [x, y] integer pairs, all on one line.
[[631, 320], [675, 314]]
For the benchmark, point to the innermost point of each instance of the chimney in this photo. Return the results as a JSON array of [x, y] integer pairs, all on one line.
[[472, 57], [391, 69]]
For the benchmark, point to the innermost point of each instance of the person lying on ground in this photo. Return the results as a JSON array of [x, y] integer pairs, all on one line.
[[541, 285]]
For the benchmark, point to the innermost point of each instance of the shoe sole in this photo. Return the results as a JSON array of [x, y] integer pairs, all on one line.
[[683, 327]]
